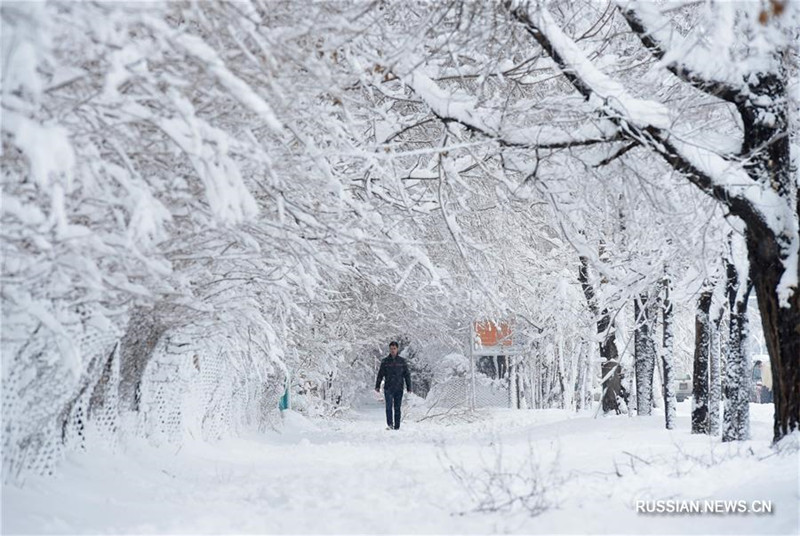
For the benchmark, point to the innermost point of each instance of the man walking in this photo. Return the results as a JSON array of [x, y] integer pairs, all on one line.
[[394, 371]]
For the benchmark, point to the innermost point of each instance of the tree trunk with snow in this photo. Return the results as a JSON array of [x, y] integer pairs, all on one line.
[[644, 353], [714, 380], [780, 325], [736, 389], [608, 343], [582, 400], [136, 348], [702, 340], [667, 358], [766, 143], [513, 383], [558, 350]]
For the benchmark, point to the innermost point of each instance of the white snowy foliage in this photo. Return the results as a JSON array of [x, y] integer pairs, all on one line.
[[202, 200]]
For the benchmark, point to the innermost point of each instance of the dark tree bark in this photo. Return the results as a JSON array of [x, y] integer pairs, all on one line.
[[136, 348], [781, 327], [714, 380], [667, 358], [766, 145], [702, 339], [644, 353], [608, 343], [736, 389]]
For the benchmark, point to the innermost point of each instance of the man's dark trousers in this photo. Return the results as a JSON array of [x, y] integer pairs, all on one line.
[[394, 399]]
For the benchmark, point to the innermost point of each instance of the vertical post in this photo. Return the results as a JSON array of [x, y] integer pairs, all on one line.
[[513, 386], [471, 387], [536, 374], [286, 401]]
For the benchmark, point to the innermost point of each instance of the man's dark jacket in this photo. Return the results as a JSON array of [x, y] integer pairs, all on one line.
[[394, 370]]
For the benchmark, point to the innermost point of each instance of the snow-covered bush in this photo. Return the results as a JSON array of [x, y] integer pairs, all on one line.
[[452, 365], [500, 485]]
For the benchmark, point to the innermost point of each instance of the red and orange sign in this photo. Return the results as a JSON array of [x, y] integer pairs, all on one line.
[[491, 334]]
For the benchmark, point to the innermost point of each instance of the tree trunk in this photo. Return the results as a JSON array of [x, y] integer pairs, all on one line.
[[136, 348], [715, 383], [781, 331], [581, 386], [513, 384], [644, 353], [767, 148], [667, 359], [609, 354], [559, 353], [608, 343], [611, 386], [702, 338], [736, 390]]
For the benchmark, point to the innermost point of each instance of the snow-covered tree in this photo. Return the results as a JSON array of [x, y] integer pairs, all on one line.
[[754, 183], [743, 163]]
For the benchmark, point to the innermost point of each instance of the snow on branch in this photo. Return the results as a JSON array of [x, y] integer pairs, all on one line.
[[463, 109], [197, 48], [602, 92], [684, 58], [649, 122]]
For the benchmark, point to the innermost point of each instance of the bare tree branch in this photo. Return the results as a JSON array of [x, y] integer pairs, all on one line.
[[458, 108], [617, 154], [707, 170], [716, 88]]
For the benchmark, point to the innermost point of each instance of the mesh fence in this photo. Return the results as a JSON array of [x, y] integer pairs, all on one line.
[[51, 404], [205, 391], [191, 387], [468, 392]]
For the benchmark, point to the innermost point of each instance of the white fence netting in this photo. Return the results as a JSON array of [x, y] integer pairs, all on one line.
[[461, 392], [459, 387], [52, 403], [191, 386], [206, 390]]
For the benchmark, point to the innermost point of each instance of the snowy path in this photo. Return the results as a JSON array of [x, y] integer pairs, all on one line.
[[353, 476]]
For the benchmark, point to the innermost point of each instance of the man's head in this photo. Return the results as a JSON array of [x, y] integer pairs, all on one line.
[[393, 348]]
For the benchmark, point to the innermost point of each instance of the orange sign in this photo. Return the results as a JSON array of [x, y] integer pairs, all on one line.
[[490, 334]]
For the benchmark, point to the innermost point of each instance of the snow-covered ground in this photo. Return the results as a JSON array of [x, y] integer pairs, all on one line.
[[353, 476]]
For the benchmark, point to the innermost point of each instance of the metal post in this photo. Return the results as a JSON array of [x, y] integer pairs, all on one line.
[[286, 400], [471, 396], [513, 393]]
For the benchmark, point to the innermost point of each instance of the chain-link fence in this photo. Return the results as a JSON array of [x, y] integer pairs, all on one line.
[[57, 389], [473, 387], [190, 385]]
